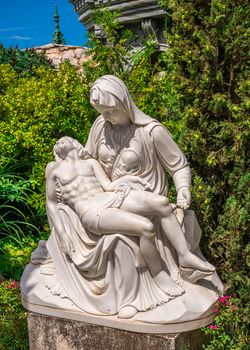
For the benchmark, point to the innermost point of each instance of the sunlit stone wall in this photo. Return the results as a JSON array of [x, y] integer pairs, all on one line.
[[59, 53]]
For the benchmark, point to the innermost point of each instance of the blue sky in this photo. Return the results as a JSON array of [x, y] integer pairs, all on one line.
[[29, 23]]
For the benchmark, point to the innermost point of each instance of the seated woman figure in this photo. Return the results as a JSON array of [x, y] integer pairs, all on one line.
[[122, 206]]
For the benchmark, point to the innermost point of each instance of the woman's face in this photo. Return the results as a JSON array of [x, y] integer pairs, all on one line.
[[114, 116], [107, 105], [110, 115]]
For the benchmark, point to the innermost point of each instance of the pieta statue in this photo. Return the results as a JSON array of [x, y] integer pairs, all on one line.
[[118, 249]]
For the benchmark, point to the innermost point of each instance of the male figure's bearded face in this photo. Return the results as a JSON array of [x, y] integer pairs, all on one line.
[[63, 147]]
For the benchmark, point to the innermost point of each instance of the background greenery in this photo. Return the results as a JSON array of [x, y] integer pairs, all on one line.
[[198, 88]]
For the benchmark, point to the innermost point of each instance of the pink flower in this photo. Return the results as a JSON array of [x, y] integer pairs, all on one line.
[[222, 299], [227, 303], [227, 297], [213, 327], [216, 310], [234, 307], [12, 285]]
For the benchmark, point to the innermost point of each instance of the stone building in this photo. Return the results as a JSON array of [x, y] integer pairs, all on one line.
[[58, 53], [144, 17]]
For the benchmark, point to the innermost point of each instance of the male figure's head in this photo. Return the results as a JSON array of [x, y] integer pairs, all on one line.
[[62, 147], [66, 144]]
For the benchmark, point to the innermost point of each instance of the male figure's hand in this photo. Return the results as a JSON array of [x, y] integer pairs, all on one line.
[[183, 198]]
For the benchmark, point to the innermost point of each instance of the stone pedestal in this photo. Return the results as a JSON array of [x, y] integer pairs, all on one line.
[[52, 333]]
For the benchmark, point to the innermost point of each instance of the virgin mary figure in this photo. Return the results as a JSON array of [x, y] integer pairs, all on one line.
[[127, 141]]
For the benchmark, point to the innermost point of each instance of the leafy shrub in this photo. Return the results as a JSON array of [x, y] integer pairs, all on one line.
[[16, 218], [15, 254], [18, 238], [210, 79], [226, 330], [13, 324], [35, 112], [23, 61]]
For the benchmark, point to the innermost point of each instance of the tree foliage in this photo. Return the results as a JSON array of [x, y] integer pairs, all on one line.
[[23, 61], [198, 88], [209, 50], [35, 112]]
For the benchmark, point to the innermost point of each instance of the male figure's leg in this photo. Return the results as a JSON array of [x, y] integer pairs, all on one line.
[[148, 203], [120, 221]]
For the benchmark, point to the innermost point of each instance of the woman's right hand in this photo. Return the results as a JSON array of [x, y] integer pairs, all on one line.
[[183, 198], [123, 187]]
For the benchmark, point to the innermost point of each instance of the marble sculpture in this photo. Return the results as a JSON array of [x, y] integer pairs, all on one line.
[[119, 253]]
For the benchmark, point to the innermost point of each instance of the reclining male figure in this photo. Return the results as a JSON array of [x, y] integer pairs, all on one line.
[[121, 206]]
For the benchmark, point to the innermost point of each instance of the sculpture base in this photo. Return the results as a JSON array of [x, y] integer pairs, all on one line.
[[131, 325], [190, 311], [52, 333]]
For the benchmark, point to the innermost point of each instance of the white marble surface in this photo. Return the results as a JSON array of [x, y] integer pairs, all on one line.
[[118, 249]]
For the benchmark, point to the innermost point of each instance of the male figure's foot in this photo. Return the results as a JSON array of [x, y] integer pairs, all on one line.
[[167, 285], [192, 261]]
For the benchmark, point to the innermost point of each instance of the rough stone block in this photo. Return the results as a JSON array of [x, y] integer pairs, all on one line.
[[52, 333]]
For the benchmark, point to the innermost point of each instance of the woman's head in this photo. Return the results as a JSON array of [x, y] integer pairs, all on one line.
[[107, 95], [108, 92], [110, 95]]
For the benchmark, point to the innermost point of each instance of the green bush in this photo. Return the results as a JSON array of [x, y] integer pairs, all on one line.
[[15, 255], [210, 78], [226, 331], [18, 238], [13, 323], [15, 215], [35, 112], [23, 61]]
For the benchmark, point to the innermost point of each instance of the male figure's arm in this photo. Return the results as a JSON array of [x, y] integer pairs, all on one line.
[[52, 210], [129, 181]]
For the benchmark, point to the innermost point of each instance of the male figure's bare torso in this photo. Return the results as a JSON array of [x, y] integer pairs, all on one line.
[[78, 185]]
